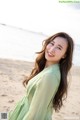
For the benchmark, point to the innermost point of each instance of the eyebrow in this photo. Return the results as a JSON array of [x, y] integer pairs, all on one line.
[[60, 46]]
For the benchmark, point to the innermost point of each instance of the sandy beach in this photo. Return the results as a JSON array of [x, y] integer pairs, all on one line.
[[13, 72]]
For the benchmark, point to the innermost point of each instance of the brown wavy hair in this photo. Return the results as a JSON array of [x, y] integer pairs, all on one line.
[[65, 65]]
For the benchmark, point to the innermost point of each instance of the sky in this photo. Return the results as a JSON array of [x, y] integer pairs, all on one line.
[[22, 44], [43, 16]]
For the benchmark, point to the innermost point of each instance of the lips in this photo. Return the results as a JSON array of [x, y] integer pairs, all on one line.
[[50, 54]]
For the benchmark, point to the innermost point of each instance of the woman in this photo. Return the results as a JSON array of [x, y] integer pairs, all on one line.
[[47, 85]]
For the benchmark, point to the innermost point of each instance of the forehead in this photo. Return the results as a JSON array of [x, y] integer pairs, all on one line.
[[60, 40]]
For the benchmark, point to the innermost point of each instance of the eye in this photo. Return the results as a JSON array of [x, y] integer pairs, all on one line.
[[59, 48], [52, 43]]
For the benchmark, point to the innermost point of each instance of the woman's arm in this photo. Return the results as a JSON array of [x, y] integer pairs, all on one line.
[[45, 91]]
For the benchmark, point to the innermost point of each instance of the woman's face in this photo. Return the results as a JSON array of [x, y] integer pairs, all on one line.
[[55, 50]]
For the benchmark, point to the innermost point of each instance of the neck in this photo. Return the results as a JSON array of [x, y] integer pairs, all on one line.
[[49, 64]]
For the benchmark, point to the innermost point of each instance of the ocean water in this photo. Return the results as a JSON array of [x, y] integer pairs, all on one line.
[[20, 44]]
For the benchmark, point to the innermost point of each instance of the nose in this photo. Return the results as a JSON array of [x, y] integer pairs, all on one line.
[[52, 49]]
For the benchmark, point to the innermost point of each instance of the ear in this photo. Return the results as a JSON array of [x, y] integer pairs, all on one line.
[[64, 56]]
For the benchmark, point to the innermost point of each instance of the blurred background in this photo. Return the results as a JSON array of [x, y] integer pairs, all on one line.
[[24, 24]]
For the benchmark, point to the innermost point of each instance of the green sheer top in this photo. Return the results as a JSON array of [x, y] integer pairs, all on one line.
[[40, 91]]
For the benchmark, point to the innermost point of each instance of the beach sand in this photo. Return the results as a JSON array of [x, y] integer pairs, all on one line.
[[13, 72]]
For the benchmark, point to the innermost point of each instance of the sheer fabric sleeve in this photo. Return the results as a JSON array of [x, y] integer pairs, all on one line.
[[44, 92]]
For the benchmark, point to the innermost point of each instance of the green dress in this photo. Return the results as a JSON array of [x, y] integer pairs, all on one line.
[[37, 103]]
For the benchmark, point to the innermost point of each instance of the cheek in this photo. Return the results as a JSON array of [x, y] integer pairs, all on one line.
[[59, 54], [48, 47], [62, 54]]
